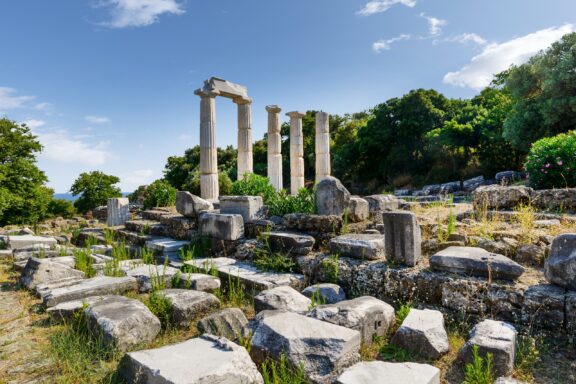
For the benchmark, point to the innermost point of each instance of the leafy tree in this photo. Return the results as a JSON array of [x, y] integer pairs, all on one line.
[[23, 196], [159, 194], [94, 188], [61, 208]]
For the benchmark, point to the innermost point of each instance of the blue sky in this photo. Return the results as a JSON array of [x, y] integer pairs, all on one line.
[[109, 84]]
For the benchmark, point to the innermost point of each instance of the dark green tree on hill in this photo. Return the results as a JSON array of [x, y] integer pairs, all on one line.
[[94, 188]]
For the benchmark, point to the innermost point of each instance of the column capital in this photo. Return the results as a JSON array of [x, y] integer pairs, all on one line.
[[241, 101], [200, 92], [273, 109], [295, 114]]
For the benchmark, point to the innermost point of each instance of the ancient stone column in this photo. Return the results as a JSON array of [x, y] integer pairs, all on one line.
[[274, 147], [322, 146], [208, 154], [296, 151], [245, 159], [118, 211]]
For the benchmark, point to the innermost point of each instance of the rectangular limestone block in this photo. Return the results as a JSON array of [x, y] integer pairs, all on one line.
[[222, 226], [118, 211], [403, 239], [249, 207]]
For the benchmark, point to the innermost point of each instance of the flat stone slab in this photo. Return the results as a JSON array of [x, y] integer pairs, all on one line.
[[282, 298], [230, 323], [325, 293], [359, 246], [422, 333], [203, 360], [148, 275], [166, 245], [101, 285], [290, 242], [66, 310], [248, 274], [38, 271], [497, 338], [380, 372], [24, 241], [366, 314], [476, 262], [322, 349], [186, 305], [123, 323], [199, 282]]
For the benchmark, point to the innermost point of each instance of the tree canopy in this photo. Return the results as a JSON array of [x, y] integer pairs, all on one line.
[[94, 189]]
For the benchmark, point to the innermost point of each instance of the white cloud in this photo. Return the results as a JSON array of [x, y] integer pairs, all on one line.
[[386, 44], [138, 13], [139, 177], [10, 100], [43, 106], [464, 38], [378, 6], [33, 123], [496, 58], [434, 24], [60, 147], [96, 119], [185, 137]]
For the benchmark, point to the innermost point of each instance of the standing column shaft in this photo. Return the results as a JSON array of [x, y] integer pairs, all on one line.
[[296, 152], [274, 147], [245, 157], [208, 153], [322, 146]]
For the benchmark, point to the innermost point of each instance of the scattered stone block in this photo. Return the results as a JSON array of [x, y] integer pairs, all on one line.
[[290, 243], [25, 241], [282, 298], [545, 305], [380, 372], [508, 380], [39, 271], [402, 237], [332, 198], [422, 333], [476, 262], [149, 275], [187, 304], [358, 246], [101, 285], [166, 245], [5, 254], [560, 267], [221, 226], [313, 223], [497, 338], [378, 203], [358, 210], [124, 323], [365, 314], [229, 323], [327, 293], [206, 359], [190, 205], [249, 207], [118, 211], [322, 349], [66, 310], [199, 282], [499, 197]]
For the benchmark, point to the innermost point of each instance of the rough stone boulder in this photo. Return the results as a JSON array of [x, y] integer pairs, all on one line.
[[229, 323], [149, 275], [290, 243], [555, 199], [332, 198], [123, 323], [38, 271], [358, 246], [476, 262], [186, 305], [560, 267], [101, 285], [322, 349], [313, 223], [375, 372], [190, 205], [65, 311], [507, 177], [203, 360], [249, 207], [377, 203], [282, 298], [497, 338], [500, 197], [326, 293], [422, 333], [365, 314], [473, 183], [402, 237], [222, 227], [358, 209]]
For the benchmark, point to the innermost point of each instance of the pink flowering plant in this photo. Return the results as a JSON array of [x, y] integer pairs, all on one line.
[[551, 162]]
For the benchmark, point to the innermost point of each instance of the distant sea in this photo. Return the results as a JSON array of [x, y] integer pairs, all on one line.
[[69, 196]]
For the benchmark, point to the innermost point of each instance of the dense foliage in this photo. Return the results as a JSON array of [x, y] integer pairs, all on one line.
[[61, 208], [94, 189], [159, 194], [254, 185], [551, 162]]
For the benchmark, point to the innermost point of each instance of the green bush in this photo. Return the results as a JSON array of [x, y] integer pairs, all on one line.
[[284, 203], [192, 183], [551, 162], [254, 185], [61, 208], [159, 194]]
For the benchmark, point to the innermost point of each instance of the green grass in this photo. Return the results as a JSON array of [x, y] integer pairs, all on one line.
[[390, 352], [84, 261], [331, 269], [479, 371], [282, 372], [274, 261], [147, 255], [316, 299], [402, 312], [109, 236]]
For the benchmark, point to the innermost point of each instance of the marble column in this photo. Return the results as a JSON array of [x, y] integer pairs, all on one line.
[[322, 146], [208, 153], [274, 147], [296, 151], [245, 156]]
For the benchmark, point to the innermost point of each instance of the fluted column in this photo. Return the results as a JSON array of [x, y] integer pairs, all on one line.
[[245, 157], [322, 146], [208, 153], [274, 147], [296, 151]]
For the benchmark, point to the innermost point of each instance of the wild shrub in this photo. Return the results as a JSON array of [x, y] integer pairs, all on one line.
[[551, 162], [390, 352], [316, 299], [282, 372], [403, 312], [479, 371], [147, 255], [283, 203], [254, 185], [527, 356], [84, 261], [109, 236], [331, 269], [159, 194]]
